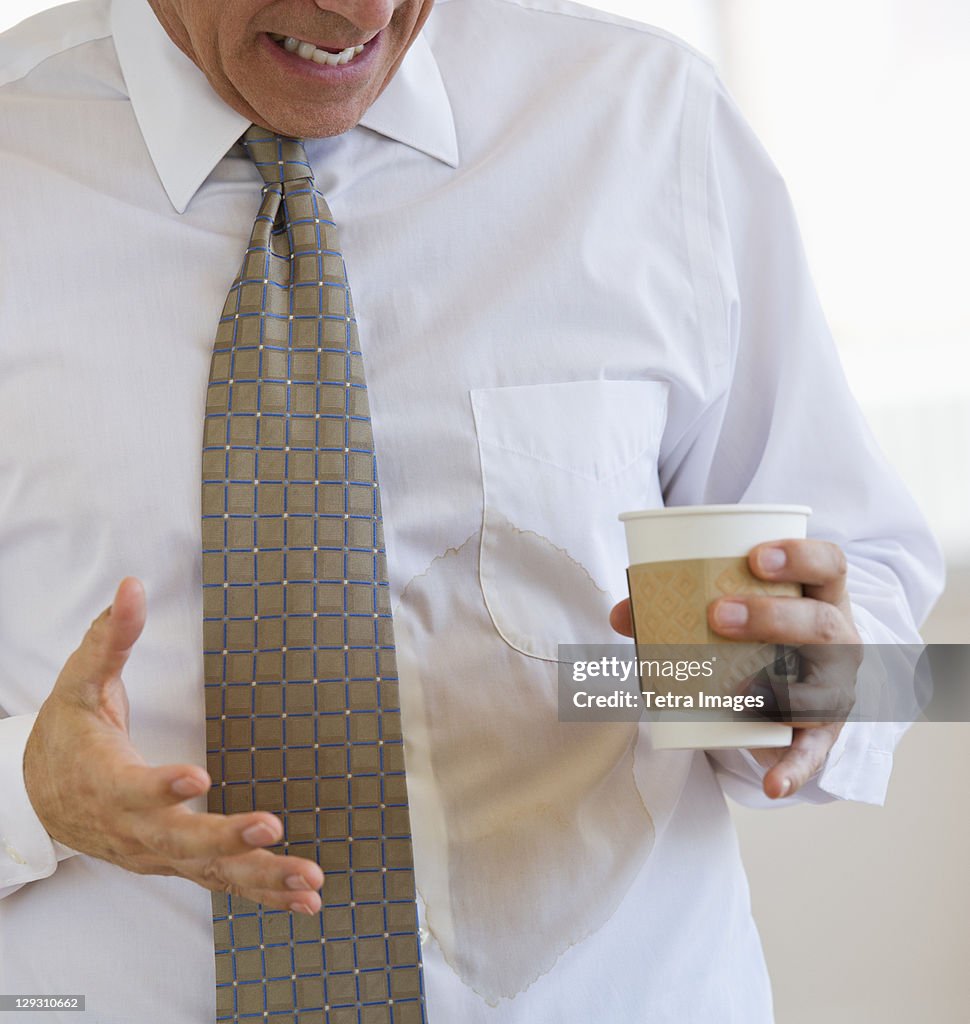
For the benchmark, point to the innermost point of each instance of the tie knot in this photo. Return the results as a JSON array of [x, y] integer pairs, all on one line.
[[277, 157]]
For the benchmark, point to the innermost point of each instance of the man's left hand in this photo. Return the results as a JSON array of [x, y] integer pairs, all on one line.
[[822, 618]]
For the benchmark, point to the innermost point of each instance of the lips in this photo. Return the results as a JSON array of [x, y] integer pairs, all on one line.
[[316, 54]]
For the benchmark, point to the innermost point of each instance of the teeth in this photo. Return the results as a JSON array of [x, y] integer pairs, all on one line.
[[309, 52]]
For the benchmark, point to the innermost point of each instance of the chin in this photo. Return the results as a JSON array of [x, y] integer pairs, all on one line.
[[306, 128], [306, 122]]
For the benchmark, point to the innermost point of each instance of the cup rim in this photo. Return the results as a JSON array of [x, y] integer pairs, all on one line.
[[670, 511]]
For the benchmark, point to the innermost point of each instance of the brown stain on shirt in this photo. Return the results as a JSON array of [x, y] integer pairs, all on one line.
[[537, 828]]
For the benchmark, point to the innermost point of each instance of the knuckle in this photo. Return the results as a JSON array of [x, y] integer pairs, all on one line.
[[840, 564], [828, 622], [94, 637], [160, 839], [214, 877], [127, 782]]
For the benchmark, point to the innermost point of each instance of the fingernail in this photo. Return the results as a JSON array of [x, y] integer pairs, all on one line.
[[785, 787], [303, 908], [731, 613], [297, 882], [772, 559], [186, 786], [258, 834]]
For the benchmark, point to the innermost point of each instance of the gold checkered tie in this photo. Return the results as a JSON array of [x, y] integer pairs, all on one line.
[[301, 691]]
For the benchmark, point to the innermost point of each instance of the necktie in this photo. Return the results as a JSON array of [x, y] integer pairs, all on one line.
[[301, 692]]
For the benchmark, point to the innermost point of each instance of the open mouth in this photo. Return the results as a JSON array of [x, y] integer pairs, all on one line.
[[315, 53]]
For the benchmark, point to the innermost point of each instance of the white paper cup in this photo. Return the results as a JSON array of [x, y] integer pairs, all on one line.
[[714, 534]]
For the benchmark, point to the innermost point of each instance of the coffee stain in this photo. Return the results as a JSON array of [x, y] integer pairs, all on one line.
[[527, 832], [539, 543], [537, 594]]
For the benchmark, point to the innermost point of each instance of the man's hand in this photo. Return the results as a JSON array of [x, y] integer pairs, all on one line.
[[821, 619], [94, 792]]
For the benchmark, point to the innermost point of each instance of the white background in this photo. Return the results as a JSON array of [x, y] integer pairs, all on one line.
[[863, 105]]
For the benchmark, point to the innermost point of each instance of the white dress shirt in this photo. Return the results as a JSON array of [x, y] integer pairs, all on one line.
[[581, 291]]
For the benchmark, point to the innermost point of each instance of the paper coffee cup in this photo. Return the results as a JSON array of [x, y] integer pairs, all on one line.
[[681, 559]]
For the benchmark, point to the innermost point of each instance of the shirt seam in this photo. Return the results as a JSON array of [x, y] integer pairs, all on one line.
[[498, 446], [695, 211], [43, 58], [606, 18], [706, 280]]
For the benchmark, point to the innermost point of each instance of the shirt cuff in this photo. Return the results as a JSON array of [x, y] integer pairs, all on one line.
[[27, 852], [856, 768]]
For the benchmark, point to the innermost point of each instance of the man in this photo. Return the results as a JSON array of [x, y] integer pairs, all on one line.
[[580, 291]]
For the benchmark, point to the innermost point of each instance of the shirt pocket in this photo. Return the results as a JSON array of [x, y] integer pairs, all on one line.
[[559, 463]]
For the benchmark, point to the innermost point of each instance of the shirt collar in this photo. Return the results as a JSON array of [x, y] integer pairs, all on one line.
[[188, 128]]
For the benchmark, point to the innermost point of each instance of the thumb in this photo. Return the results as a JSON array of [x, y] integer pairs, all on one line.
[[800, 762], [621, 617], [110, 638]]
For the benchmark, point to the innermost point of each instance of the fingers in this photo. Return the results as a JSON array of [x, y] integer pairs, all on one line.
[[818, 565], [800, 761], [821, 617], [139, 787], [180, 834], [621, 618], [114, 632], [108, 642], [144, 824], [275, 881], [224, 854], [782, 620], [828, 692]]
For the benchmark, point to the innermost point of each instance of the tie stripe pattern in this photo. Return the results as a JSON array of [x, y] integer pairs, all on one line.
[[302, 713]]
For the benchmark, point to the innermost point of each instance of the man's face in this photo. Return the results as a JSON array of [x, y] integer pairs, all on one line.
[[292, 65]]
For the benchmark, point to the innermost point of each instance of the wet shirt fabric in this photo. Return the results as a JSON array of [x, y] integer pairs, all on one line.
[[580, 290]]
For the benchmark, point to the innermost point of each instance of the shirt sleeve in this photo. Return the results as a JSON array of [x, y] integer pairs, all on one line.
[[781, 424], [27, 852]]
